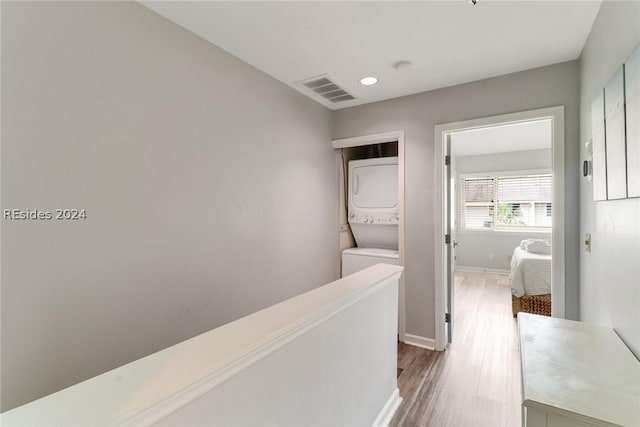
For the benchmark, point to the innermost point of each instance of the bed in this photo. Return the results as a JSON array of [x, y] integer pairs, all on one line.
[[530, 280]]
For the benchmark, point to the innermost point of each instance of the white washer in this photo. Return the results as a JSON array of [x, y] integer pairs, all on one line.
[[356, 259]]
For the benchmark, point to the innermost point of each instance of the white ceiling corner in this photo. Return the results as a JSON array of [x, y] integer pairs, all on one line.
[[449, 42], [532, 135]]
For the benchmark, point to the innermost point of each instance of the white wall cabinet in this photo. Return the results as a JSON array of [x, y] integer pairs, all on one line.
[[575, 374], [599, 148], [632, 97], [615, 136], [615, 133]]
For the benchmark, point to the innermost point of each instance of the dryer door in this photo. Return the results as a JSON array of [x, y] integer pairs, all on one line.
[[374, 186]]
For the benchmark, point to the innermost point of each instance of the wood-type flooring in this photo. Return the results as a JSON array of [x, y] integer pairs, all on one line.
[[476, 382]]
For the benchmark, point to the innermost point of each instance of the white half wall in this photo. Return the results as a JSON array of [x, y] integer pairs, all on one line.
[[327, 357], [610, 273], [211, 190]]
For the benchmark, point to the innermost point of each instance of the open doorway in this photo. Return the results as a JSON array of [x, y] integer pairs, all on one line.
[[502, 183]]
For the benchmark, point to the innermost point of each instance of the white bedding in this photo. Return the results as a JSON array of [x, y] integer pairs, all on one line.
[[530, 273]]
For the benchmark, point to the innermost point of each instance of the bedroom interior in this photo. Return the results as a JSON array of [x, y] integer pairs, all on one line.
[[503, 214], [203, 285]]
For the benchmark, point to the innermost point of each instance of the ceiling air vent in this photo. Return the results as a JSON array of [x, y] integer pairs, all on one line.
[[327, 89]]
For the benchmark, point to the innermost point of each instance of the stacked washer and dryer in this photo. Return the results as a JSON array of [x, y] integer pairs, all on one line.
[[373, 214]]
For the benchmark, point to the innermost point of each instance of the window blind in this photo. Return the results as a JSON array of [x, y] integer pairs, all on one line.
[[477, 202], [503, 202], [532, 188]]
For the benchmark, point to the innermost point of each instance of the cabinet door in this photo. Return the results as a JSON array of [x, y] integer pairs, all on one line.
[[615, 137], [632, 97], [599, 148]]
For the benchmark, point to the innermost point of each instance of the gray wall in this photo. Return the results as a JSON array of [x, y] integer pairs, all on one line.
[[508, 161], [482, 250], [418, 114], [211, 190], [610, 274], [492, 250]]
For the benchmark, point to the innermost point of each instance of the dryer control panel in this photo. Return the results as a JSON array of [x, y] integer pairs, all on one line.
[[389, 218]]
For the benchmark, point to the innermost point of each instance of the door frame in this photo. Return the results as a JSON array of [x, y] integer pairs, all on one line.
[[556, 115], [378, 138]]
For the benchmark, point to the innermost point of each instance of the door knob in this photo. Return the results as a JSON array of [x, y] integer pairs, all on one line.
[[456, 244]]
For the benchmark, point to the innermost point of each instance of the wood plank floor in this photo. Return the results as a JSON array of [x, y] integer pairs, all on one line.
[[476, 382]]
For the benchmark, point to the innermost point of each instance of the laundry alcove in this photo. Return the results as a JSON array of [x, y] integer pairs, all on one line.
[[372, 150]]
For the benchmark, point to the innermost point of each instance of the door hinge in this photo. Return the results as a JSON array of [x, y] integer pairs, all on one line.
[[447, 160], [447, 239], [447, 318]]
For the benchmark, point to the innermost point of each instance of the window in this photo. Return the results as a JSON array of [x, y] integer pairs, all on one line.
[[506, 202]]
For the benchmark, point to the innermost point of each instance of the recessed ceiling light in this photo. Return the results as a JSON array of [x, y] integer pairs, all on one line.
[[368, 81]]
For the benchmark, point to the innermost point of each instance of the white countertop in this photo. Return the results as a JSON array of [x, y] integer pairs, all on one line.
[[579, 370]]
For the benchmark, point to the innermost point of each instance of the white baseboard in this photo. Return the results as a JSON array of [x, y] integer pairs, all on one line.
[[418, 341], [483, 270], [388, 411]]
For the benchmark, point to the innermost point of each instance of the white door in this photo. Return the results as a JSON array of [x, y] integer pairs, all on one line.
[[450, 239]]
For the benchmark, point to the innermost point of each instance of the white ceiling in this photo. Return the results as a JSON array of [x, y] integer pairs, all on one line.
[[504, 138], [448, 42]]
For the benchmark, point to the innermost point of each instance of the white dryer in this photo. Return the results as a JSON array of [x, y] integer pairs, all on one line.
[[373, 202]]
